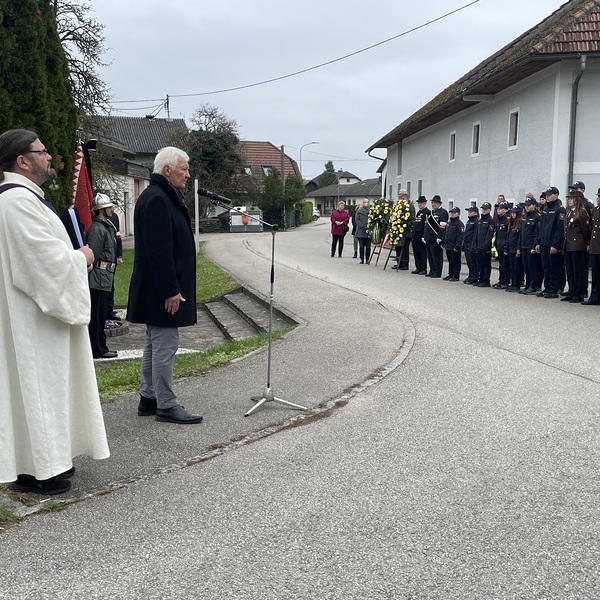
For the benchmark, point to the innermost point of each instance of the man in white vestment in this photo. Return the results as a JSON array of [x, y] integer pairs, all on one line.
[[49, 405]]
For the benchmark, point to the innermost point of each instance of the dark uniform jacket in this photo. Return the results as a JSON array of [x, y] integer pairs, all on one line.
[[501, 233], [513, 240], [435, 221], [577, 231], [469, 237], [484, 232], [418, 228], [165, 257], [101, 239], [551, 230], [452, 234], [529, 225], [595, 237]]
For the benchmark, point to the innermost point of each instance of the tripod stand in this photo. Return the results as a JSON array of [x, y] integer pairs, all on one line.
[[268, 395]]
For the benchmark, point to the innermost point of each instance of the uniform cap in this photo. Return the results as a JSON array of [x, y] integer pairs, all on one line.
[[578, 184], [486, 205]]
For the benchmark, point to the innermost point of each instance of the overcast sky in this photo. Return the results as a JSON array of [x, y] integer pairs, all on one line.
[[196, 47]]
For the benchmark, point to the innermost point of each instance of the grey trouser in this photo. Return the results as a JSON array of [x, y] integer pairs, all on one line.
[[157, 365]]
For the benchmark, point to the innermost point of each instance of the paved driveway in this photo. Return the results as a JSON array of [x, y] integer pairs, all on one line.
[[469, 471]]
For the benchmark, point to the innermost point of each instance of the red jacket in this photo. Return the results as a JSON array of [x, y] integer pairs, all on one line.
[[339, 215]]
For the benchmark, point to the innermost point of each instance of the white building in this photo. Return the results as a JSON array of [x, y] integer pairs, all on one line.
[[525, 118]]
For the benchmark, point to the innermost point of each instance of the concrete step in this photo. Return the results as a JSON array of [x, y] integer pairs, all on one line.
[[233, 325], [256, 313]]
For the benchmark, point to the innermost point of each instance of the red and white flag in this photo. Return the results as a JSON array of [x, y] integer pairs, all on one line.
[[82, 188]]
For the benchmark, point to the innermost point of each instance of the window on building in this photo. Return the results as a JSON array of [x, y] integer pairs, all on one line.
[[453, 146], [391, 192], [399, 165], [408, 186], [513, 128], [476, 135], [419, 187], [450, 205], [248, 170], [266, 169]]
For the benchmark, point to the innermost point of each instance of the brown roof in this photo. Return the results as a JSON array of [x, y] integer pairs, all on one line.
[[570, 31], [139, 134], [257, 155]]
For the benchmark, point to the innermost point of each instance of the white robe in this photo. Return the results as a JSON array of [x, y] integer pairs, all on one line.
[[49, 405]]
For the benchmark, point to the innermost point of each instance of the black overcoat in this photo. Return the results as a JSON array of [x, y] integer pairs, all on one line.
[[165, 257]]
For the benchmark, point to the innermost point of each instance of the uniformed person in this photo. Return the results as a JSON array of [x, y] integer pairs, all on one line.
[[452, 240], [468, 249], [435, 221], [501, 241], [532, 263], [484, 232], [577, 239], [416, 236], [550, 241], [594, 297]]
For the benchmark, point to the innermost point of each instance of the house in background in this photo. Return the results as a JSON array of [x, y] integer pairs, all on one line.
[[525, 118], [260, 157], [348, 188], [132, 143]]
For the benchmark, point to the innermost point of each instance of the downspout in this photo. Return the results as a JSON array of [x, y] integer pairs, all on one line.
[[573, 128]]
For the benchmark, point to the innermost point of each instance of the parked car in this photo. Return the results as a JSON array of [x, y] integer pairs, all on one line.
[[316, 214]]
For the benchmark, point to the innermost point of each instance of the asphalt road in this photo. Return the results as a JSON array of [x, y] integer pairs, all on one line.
[[470, 470]]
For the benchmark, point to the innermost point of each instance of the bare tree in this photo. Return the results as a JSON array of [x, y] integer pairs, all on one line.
[[82, 38]]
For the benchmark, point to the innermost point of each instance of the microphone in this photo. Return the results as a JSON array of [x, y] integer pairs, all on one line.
[[213, 196]]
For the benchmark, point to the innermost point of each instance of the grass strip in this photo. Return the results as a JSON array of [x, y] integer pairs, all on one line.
[[123, 377]]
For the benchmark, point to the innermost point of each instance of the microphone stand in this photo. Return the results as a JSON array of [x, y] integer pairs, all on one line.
[[268, 395]]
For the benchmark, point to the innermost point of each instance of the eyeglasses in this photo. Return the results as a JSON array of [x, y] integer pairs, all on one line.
[[42, 151]]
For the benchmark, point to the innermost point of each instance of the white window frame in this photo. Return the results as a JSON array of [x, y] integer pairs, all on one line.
[[452, 147], [513, 129], [476, 139]]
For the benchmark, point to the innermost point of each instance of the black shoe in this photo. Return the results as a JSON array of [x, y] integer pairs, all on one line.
[[446, 278], [355, 255], [362, 262], [484, 284], [590, 303], [146, 407], [564, 293], [551, 295], [395, 267], [403, 268], [415, 272], [566, 299], [540, 294], [177, 414], [109, 354], [576, 300], [422, 272], [47, 487]]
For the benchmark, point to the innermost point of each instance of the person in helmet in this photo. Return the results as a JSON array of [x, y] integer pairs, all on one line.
[[101, 239]]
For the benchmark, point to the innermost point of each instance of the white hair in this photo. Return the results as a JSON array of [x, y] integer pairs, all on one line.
[[168, 156]]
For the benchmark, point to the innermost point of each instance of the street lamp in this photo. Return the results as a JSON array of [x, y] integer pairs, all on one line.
[[307, 144]]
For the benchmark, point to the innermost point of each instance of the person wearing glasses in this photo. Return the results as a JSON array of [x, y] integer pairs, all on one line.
[[49, 406]]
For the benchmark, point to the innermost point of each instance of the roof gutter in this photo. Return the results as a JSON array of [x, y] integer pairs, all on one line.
[[573, 127]]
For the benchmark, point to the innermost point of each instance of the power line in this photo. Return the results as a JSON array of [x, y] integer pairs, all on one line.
[[319, 66]]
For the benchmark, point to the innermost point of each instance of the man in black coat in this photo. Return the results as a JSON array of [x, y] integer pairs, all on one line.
[[162, 292]]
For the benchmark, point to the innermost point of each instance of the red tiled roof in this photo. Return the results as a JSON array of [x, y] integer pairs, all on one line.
[[571, 30], [257, 155]]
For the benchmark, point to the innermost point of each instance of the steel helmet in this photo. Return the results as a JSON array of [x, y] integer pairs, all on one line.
[[101, 201]]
